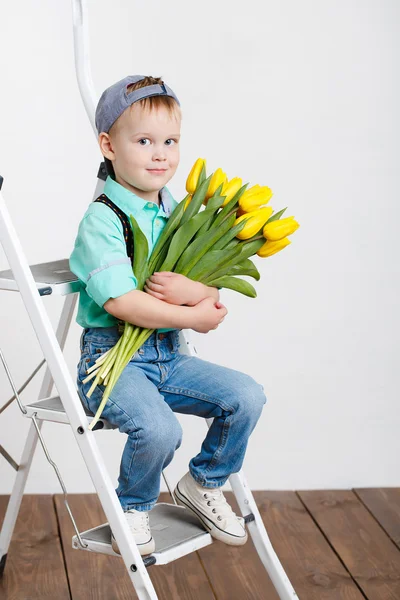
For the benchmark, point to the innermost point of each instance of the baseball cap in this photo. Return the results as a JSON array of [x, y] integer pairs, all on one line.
[[115, 99]]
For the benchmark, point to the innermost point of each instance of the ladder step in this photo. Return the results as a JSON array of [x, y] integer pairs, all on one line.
[[176, 531], [51, 409], [50, 277]]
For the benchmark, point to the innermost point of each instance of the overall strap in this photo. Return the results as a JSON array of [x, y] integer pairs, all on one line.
[[128, 235]]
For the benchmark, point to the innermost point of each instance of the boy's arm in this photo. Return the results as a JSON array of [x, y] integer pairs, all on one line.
[[204, 291], [100, 261], [142, 309]]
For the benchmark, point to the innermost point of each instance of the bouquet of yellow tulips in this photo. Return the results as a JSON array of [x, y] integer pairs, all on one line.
[[212, 245]]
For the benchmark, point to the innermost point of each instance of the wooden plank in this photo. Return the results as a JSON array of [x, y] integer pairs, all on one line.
[[384, 504], [365, 549], [101, 577], [35, 567], [312, 567]]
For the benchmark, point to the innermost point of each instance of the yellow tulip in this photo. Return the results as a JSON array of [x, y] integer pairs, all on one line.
[[230, 188], [270, 248], [254, 221], [217, 178], [188, 201], [255, 197], [241, 212], [250, 191], [276, 230], [193, 177]]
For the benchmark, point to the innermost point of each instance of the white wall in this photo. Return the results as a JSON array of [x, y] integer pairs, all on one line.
[[298, 96]]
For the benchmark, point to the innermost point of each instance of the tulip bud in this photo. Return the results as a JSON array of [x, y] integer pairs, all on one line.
[[255, 197], [193, 177], [277, 230], [230, 188], [253, 190], [270, 248], [254, 222], [217, 178]]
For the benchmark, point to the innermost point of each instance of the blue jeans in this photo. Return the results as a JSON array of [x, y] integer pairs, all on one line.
[[157, 382]]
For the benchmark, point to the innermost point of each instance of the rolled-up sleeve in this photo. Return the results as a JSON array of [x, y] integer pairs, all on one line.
[[100, 261]]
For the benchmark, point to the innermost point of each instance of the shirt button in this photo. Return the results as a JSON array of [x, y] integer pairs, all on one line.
[[150, 205]]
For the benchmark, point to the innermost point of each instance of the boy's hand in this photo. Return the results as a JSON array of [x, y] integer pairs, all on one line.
[[208, 315], [174, 288]]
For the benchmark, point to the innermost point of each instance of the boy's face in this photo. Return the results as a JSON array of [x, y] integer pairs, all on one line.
[[139, 142]]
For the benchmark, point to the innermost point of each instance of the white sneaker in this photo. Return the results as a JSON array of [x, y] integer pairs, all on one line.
[[138, 522], [211, 507]]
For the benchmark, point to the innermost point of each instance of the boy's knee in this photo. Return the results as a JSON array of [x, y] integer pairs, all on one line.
[[255, 398], [165, 435]]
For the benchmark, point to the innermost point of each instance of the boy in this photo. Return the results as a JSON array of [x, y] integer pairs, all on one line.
[[158, 380]]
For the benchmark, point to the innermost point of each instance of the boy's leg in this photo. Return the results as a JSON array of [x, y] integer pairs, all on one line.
[[139, 410], [234, 399]]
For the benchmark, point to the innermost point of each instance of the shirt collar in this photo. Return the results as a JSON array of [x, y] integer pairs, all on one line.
[[130, 203]]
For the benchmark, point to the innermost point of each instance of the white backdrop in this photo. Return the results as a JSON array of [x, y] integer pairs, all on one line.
[[302, 97]]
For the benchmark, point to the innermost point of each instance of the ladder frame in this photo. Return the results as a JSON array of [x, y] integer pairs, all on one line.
[[57, 372]]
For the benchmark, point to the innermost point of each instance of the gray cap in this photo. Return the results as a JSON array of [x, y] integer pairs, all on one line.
[[114, 100]]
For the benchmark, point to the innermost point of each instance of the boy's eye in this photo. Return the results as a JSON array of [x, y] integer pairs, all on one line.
[[169, 140]]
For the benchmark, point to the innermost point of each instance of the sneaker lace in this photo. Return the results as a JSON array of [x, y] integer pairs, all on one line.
[[217, 500], [140, 523]]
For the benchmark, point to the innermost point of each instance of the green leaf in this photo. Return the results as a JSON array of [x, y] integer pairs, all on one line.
[[160, 259], [233, 257], [212, 260], [212, 207], [182, 238], [200, 246], [140, 254], [276, 216], [170, 227], [245, 267], [216, 259], [229, 235], [230, 206], [202, 176], [196, 201], [232, 244], [236, 284]]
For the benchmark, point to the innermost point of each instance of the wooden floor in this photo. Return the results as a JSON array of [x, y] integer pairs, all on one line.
[[333, 545]]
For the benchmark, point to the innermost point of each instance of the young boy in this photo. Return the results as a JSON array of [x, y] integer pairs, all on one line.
[[158, 380]]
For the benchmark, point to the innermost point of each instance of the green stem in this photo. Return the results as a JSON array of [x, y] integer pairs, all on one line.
[[141, 335], [102, 368], [129, 333]]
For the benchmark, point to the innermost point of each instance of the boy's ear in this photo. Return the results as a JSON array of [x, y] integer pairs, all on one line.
[[106, 145]]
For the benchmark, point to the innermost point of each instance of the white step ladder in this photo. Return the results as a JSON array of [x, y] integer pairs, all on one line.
[[175, 529]]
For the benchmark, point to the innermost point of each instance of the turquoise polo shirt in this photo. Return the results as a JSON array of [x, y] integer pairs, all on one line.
[[99, 259]]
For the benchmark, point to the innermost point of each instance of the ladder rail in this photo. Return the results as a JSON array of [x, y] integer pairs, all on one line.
[[82, 59], [260, 537], [77, 417]]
